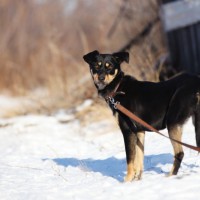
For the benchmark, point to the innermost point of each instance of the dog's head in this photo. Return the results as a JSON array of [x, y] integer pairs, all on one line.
[[105, 67]]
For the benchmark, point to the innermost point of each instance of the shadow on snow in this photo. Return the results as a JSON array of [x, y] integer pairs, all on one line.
[[113, 167]]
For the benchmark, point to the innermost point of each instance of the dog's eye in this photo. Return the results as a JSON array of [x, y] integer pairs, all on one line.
[[98, 66], [108, 65]]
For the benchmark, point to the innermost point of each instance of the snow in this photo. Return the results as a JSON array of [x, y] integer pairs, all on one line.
[[57, 157]]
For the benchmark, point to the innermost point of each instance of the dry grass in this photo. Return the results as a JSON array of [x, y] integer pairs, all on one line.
[[42, 44]]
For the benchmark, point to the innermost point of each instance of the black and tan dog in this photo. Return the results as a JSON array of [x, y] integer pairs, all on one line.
[[166, 104]]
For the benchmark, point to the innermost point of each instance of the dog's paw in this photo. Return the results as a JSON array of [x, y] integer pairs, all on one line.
[[138, 175], [135, 176], [129, 178]]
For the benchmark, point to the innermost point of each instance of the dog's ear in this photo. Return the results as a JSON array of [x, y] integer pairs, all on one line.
[[121, 56], [91, 57]]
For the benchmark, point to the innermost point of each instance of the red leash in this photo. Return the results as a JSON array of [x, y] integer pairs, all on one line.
[[129, 114]]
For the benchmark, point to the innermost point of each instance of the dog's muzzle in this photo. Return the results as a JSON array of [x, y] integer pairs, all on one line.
[[101, 85]]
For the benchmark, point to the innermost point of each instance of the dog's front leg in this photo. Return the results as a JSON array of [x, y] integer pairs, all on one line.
[[139, 158], [130, 141], [134, 146]]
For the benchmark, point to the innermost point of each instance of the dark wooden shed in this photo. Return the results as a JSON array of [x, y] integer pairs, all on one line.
[[181, 23]]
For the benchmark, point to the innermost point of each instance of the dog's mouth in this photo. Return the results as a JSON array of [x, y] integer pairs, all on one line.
[[101, 85], [102, 81]]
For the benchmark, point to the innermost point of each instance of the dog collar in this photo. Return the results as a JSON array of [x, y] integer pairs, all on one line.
[[114, 93]]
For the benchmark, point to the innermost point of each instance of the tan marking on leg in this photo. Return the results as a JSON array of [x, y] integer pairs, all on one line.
[[135, 168], [130, 172], [139, 160], [175, 132]]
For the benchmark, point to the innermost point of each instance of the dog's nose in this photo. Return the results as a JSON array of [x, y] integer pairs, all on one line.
[[101, 77]]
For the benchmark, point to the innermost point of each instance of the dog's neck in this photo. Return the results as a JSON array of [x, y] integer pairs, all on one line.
[[113, 86]]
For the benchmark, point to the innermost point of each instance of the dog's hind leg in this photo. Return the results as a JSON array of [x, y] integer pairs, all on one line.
[[181, 107], [175, 132]]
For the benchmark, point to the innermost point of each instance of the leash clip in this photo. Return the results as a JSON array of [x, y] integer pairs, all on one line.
[[113, 103]]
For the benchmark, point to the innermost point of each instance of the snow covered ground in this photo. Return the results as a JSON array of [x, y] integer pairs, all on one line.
[[43, 158]]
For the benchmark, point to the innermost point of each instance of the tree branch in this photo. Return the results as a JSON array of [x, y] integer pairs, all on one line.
[[147, 29], [117, 19]]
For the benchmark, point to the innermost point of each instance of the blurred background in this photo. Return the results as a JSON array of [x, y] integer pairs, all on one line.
[[42, 43]]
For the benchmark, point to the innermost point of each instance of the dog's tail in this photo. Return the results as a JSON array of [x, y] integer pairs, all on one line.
[[196, 119]]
